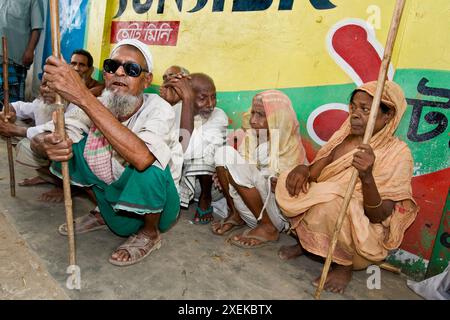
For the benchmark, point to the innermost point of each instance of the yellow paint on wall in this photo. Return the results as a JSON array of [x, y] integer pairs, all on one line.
[[278, 49], [426, 42]]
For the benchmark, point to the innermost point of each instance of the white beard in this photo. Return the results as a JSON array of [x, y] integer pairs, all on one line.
[[119, 105], [46, 111]]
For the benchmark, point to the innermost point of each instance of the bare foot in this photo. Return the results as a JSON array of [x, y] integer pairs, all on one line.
[[290, 252], [338, 278], [32, 181], [233, 221], [257, 236], [57, 194], [54, 195]]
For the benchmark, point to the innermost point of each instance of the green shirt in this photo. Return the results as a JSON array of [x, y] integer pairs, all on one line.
[[17, 19]]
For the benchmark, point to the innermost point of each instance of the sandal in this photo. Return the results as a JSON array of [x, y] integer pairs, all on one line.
[[84, 224], [220, 224], [138, 247], [247, 236], [200, 214]]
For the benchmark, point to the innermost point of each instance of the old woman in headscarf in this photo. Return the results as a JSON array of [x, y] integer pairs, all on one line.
[[272, 144], [381, 207]]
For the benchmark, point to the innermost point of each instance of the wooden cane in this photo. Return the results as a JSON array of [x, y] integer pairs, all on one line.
[[367, 135], [6, 109], [60, 129]]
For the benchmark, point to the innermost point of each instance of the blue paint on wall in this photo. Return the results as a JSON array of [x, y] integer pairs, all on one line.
[[72, 24]]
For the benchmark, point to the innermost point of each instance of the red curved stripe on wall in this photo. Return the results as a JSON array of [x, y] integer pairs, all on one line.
[[350, 42], [430, 192]]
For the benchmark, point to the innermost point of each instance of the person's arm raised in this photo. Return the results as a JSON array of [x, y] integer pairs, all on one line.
[[67, 83], [182, 87]]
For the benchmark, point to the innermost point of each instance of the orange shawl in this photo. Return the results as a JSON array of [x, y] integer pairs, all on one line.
[[392, 172], [286, 148]]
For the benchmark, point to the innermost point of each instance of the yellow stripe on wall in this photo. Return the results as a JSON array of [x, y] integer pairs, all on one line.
[[277, 49]]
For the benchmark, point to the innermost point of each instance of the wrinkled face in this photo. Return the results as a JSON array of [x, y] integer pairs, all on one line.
[[122, 84], [205, 97], [359, 114], [169, 94], [79, 63], [47, 95], [258, 119]]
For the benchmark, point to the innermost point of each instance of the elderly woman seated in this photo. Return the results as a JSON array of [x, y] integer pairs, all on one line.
[[248, 176], [381, 207]]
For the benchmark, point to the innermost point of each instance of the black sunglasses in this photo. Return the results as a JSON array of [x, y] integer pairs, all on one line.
[[131, 69]]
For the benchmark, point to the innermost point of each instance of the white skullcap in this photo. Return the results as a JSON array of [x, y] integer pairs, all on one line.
[[142, 47]]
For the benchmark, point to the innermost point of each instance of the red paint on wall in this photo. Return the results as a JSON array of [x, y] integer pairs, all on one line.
[[350, 42], [163, 33], [430, 192], [328, 122], [310, 148]]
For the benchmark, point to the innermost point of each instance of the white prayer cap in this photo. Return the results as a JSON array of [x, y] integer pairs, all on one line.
[[142, 47]]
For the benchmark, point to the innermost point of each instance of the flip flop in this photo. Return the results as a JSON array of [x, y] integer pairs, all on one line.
[[202, 213], [80, 224], [235, 226], [247, 236], [134, 246]]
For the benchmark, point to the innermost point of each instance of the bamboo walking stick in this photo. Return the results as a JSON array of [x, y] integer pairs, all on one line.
[[60, 129], [12, 179], [367, 135]]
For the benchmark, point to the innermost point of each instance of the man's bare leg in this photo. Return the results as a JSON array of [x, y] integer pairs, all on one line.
[[45, 177], [150, 230], [91, 195], [233, 214], [338, 278], [57, 193], [37, 180], [290, 252], [204, 201], [254, 203], [54, 195]]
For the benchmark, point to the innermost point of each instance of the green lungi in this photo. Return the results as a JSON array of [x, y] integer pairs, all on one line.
[[124, 202]]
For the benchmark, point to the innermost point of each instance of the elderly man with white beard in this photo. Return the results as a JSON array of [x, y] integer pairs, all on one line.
[[123, 145], [202, 130]]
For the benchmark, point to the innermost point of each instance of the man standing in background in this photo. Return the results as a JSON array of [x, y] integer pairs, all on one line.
[[21, 22]]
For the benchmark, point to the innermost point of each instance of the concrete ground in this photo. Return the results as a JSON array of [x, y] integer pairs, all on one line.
[[191, 264]]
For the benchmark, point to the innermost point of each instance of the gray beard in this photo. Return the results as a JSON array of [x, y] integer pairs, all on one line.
[[47, 110], [119, 105]]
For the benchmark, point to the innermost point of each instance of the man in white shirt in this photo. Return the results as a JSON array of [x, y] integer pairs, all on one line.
[[126, 155], [27, 119], [202, 130]]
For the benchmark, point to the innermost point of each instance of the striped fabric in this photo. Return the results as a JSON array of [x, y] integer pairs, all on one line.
[[98, 155]]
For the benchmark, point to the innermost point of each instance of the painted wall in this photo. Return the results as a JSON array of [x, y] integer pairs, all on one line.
[[317, 52], [73, 15]]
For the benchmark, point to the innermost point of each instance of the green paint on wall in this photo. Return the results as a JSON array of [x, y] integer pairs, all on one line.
[[306, 100], [427, 239], [438, 146], [440, 256]]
